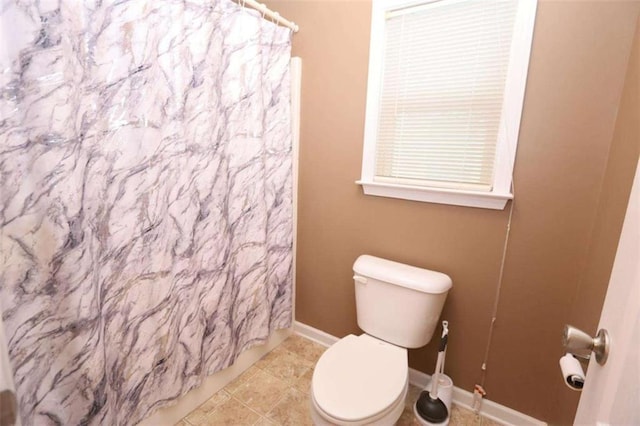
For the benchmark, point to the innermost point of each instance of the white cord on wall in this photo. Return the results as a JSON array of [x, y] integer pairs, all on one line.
[[479, 391]]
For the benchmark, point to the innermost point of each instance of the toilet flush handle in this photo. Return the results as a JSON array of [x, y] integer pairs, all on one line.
[[359, 279]]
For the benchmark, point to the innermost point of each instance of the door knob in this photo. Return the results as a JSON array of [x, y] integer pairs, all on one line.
[[579, 343]]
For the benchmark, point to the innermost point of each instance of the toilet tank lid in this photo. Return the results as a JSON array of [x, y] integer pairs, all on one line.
[[419, 279]]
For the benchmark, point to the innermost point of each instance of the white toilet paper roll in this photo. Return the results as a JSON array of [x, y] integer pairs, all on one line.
[[572, 372]]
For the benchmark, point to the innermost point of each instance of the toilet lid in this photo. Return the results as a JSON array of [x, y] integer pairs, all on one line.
[[359, 377]]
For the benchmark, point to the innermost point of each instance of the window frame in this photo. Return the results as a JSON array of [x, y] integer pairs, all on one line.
[[509, 127]]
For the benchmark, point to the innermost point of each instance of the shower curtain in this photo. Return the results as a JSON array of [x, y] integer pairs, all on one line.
[[145, 199]]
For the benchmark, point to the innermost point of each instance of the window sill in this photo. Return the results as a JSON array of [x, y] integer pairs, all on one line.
[[483, 200]]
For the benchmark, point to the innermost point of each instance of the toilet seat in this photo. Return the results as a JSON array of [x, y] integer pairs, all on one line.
[[385, 418], [359, 378]]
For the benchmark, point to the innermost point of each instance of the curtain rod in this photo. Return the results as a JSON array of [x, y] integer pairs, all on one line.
[[270, 13]]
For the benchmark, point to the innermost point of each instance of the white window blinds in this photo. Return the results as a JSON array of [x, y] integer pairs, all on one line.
[[441, 95]]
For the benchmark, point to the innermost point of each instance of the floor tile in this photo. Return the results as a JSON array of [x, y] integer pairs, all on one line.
[[275, 392], [412, 396], [232, 412], [261, 392], [263, 421], [271, 357], [408, 418], [489, 422], [463, 417], [292, 410], [304, 348], [303, 383], [199, 416], [241, 379], [288, 367], [216, 400]]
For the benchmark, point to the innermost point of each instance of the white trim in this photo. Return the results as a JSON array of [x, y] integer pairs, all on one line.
[[313, 334], [401, 7], [170, 415], [486, 200], [374, 83], [514, 91], [491, 410], [509, 123]]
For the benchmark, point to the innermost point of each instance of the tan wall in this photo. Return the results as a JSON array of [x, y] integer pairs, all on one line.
[[616, 186], [578, 64]]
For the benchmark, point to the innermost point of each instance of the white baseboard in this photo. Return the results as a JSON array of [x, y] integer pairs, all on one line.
[[170, 415], [318, 336], [461, 397], [491, 410]]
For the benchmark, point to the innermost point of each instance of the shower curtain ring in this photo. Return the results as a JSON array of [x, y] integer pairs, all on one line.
[[263, 7], [275, 17]]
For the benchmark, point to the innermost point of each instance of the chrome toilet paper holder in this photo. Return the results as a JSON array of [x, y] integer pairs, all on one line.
[[580, 344]]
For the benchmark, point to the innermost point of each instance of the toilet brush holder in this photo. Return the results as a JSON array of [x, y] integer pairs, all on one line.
[[444, 393]]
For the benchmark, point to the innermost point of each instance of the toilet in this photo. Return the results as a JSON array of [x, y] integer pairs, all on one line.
[[363, 380]]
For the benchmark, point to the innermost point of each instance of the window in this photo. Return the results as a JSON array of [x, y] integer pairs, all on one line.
[[444, 99]]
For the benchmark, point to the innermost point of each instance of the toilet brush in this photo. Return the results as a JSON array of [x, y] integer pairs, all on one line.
[[429, 406]]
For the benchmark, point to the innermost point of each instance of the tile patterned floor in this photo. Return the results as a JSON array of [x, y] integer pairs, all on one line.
[[275, 391]]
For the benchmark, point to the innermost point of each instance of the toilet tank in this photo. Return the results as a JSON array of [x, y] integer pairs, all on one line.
[[398, 303]]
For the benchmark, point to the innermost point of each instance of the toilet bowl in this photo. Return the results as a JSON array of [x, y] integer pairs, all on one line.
[[360, 380], [363, 380]]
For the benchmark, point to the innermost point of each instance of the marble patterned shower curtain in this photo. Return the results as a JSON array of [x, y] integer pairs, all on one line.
[[145, 199]]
